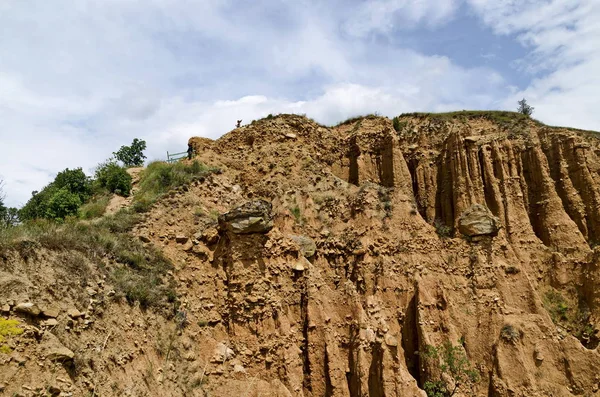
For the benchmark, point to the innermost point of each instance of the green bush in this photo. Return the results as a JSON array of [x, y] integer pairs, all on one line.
[[113, 178], [556, 305], [398, 125], [75, 181], [60, 198], [454, 370], [63, 203]]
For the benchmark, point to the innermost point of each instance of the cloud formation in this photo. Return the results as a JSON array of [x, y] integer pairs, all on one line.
[[78, 80]]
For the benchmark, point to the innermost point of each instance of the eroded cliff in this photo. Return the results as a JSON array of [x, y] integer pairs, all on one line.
[[354, 263]]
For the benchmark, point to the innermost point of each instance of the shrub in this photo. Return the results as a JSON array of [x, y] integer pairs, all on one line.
[[454, 370], [63, 203], [60, 198], [556, 305], [398, 125], [443, 230], [132, 156], [295, 210], [509, 333], [113, 178], [75, 181]]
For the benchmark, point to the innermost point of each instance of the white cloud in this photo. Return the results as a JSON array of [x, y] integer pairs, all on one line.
[[385, 16], [564, 39], [78, 80]]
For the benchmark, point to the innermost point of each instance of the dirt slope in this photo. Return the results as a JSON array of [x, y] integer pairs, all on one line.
[[364, 265]]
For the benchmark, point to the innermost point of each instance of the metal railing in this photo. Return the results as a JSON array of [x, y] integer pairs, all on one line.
[[174, 157]]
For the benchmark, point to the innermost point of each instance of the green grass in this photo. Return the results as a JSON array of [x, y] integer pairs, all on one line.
[[161, 177], [94, 208], [139, 272]]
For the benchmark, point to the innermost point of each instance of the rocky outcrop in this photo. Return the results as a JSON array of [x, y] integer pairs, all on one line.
[[252, 217], [477, 220], [338, 281]]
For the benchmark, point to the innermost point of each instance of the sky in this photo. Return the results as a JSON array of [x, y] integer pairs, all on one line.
[[78, 79]]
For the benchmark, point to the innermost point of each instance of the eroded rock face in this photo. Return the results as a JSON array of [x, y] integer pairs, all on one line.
[[478, 220], [252, 217]]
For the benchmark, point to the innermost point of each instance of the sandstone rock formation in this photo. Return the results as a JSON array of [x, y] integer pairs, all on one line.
[[477, 220], [261, 311], [252, 217]]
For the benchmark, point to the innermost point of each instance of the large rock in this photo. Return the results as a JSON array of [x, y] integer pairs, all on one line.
[[477, 220], [252, 217]]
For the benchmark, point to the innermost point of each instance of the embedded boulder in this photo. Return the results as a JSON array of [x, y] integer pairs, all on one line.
[[251, 217], [477, 220]]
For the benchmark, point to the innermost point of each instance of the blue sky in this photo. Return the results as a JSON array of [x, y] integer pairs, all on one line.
[[80, 79]]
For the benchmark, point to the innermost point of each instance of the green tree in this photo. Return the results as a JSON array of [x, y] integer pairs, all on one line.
[[37, 205], [454, 370], [53, 201], [132, 156], [75, 181], [524, 108], [112, 177]]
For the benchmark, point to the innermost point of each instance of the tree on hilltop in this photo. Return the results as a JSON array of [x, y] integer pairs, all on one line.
[[132, 156], [524, 108]]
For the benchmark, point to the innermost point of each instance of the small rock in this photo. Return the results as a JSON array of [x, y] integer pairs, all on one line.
[[370, 335], [222, 353], [50, 311], [145, 239], [181, 239], [74, 313], [210, 235], [51, 322], [28, 308], [5, 308], [306, 244], [390, 340], [239, 369], [91, 291], [17, 358], [300, 265], [290, 136], [2, 387]]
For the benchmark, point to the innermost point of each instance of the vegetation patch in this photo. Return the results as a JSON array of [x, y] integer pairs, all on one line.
[[355, 119], [574, 318], [510, 334], [503, 118], [8, 329], [138, 272], [94, 208], [160, 177], [454, 370]]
